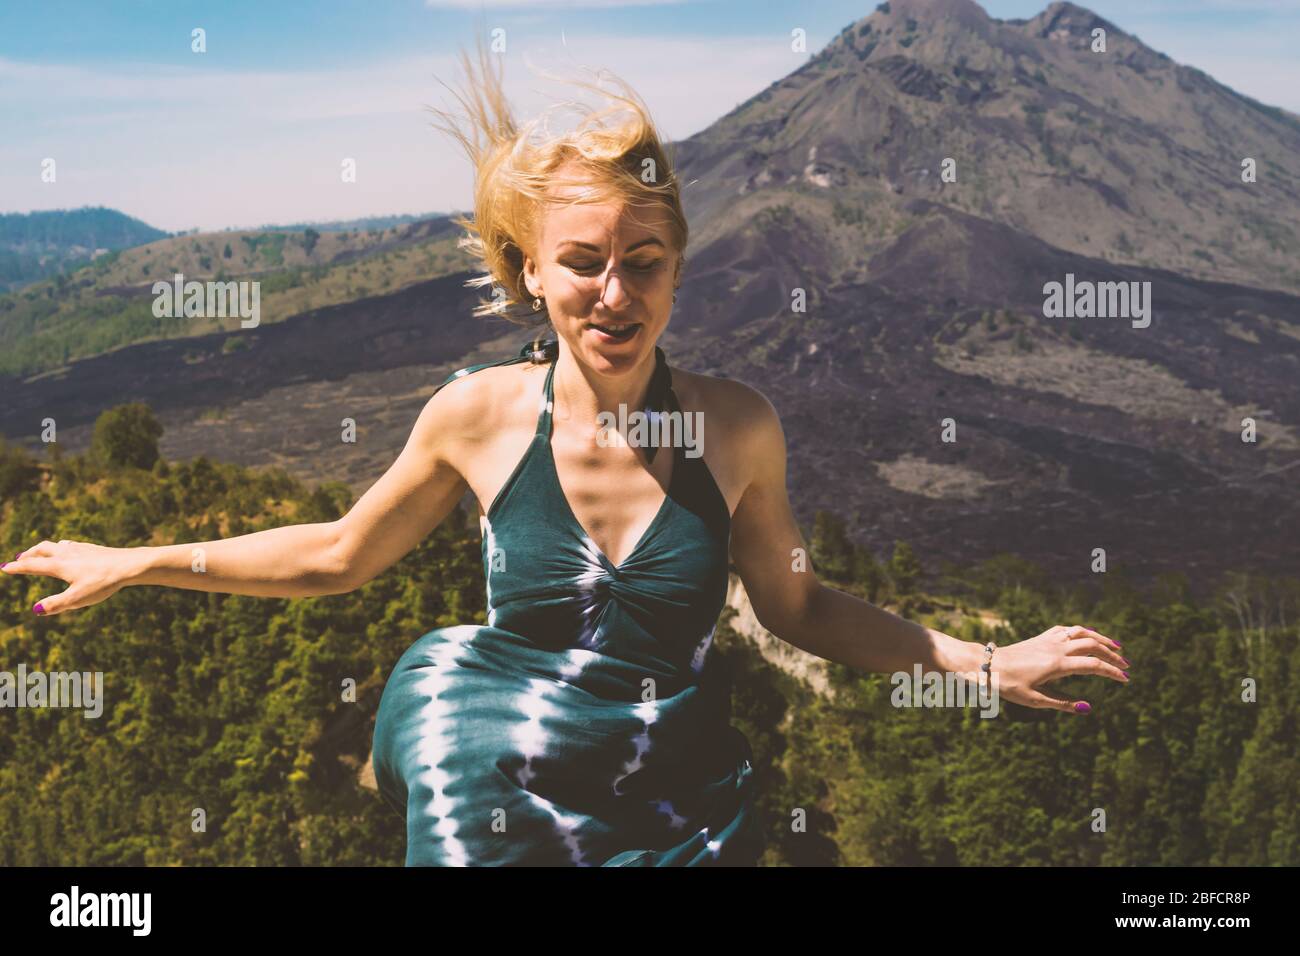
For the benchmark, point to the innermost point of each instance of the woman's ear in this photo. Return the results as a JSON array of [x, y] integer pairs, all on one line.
[[531, 282]]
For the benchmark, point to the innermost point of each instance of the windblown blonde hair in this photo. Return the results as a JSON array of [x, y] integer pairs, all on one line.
[[515, 171]]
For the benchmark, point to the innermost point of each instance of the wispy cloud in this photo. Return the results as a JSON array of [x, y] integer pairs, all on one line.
[[1237, 7], [548, 4], [182, 144], [181, 147], [212, 94], [1254, 56]]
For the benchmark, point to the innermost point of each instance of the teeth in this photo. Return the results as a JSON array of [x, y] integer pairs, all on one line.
[[616, 328]]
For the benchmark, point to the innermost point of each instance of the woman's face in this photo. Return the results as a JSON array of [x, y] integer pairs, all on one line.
[[602, 266]]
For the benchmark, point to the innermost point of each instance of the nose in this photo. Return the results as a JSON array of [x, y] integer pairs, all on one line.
[[614, 296]]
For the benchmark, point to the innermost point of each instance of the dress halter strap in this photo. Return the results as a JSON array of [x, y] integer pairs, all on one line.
[[659, 395], [537, 351]]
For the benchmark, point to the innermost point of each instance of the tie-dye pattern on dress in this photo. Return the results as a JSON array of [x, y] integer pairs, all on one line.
[[587, 724]]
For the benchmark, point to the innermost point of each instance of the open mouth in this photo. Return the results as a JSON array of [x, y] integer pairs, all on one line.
[[616, 332]]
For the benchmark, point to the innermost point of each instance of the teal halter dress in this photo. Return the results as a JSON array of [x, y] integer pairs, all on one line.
[[587, 723]]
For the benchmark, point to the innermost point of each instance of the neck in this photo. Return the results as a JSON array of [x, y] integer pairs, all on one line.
[[581, 393]]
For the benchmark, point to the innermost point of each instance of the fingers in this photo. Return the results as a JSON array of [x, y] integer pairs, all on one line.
[[1038, 699], [42, 552], [1094, 647], [44, 549], [39, 559], [1070, 666], [34, 561], [1084, 640], [57, 604], [1083, 651], [1078, 630], [33, 551]]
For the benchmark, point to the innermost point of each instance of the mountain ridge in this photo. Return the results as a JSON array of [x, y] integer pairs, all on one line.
[[923, 304]]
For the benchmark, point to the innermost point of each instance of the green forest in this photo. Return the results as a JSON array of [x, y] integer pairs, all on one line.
[[236, 707], [47, 243]]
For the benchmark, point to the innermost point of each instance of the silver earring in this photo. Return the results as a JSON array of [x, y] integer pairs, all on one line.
[[537, 305]]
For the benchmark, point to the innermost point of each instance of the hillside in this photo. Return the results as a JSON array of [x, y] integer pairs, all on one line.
[[109, 305], [37, 245], [1124, 156], [243, 707], [924, 305]]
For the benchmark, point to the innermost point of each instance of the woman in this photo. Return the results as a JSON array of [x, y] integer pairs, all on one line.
[[586, 723]]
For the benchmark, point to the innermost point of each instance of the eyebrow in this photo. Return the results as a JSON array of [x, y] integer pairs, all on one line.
[[651, 240]]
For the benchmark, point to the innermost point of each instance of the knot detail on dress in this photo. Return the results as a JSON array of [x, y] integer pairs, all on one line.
[[540, 350], [543, 712]]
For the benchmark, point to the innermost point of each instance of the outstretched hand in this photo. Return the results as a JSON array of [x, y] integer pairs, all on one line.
[[93, 572], [1058, 652]]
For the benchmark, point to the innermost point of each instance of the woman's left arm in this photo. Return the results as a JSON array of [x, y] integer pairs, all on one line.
[[772, 560]]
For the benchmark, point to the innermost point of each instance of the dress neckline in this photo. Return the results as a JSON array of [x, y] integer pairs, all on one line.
[[660, 392], [660, 396]]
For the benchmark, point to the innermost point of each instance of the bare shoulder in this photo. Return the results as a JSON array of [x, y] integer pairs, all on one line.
[[475, 406], [741, 409], [738, 417]]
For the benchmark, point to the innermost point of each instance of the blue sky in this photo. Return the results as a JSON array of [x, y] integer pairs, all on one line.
[[254, 130]]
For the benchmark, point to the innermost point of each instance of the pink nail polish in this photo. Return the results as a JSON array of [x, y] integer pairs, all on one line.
[[38, 609], [1082, 707], [1125, 673], [1125, 660]]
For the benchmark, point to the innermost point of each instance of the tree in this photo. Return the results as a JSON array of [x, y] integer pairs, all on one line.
[[309, 240], [832, 551], [127, 435], [226, 252], [18, 471], [904, 569], [868, 573]]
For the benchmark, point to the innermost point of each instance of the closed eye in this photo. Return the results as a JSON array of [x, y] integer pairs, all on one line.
[[591, 268]]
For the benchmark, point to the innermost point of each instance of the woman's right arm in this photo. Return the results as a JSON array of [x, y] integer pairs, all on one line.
[[416, 493]]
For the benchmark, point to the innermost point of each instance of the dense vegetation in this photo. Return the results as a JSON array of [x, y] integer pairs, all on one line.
[[1186, 772], [108, 303], [236, 706], [350, 225], [39, 245]]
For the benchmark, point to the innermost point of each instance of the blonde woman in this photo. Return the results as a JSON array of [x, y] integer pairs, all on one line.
[[586, 723]]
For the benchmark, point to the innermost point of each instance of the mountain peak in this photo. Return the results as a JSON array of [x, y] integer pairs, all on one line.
[[966, 12], [1063, 18], [893, 27]]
